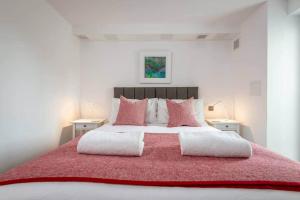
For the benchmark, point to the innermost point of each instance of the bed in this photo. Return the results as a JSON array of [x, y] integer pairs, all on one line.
[[57, 176]]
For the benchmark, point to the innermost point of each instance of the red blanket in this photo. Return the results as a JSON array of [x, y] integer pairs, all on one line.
[[161, 165]]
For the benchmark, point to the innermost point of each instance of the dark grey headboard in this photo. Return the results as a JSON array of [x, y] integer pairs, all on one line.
[[156, 92]]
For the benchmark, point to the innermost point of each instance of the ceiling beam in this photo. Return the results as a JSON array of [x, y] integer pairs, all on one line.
[[151, 29]]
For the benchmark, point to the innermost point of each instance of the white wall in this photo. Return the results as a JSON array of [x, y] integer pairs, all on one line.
[[283, 80], [39, 79], [105, 65], [250, 68], [293, 6]]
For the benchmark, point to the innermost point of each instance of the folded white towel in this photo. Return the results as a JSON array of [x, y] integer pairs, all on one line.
[[111, 143], [214, 143]]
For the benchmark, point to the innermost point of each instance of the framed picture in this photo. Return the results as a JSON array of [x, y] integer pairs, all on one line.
[[155, 66]]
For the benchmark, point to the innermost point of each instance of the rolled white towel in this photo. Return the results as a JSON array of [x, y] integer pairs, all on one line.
[[111, 143], [214, 143]]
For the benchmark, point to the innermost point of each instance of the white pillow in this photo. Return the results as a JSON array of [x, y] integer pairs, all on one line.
[[151, 110], [163, 114]]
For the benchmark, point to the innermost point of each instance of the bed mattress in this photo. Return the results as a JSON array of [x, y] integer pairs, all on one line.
[[135, 192]]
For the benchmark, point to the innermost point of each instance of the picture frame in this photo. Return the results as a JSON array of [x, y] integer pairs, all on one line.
[[155, 67]]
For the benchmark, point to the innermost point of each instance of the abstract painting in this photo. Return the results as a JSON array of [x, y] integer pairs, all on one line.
[[155, 67]]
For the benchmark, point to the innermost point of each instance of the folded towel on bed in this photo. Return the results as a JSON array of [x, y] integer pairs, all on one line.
[[214, 143], [112, 143]]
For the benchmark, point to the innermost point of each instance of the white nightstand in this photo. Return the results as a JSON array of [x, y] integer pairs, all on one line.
[[225, 124], [84, 125]]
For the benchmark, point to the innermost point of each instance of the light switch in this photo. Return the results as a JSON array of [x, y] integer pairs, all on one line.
[[255, 88]]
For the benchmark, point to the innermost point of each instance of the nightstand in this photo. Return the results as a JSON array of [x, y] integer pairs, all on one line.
[[84, 125], [225, 124]]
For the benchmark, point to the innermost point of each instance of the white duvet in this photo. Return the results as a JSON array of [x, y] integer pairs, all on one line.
[[154, 128]]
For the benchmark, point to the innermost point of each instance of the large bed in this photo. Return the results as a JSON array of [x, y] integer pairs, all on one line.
[[64, 174]]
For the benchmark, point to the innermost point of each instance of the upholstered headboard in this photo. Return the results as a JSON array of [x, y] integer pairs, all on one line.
[[156, 92]]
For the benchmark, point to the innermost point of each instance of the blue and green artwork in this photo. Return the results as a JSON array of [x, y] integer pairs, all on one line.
[[155, 67]]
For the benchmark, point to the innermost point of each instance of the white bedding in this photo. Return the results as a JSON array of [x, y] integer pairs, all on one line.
[[93, 191], [101, 191], [154, 128]]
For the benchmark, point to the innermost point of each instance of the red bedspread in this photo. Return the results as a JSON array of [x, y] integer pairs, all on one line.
[[161, 165]]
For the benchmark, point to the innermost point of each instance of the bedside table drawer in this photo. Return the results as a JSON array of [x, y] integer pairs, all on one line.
[[86, 126], [227, 127]]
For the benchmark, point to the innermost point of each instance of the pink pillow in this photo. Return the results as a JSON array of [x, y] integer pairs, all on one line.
[[132, 113], [181, 114]]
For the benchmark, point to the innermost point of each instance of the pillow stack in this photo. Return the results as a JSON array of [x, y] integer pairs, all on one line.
[[173, 113], [163, 113], [150, 111], [132, 112], [181, 114]]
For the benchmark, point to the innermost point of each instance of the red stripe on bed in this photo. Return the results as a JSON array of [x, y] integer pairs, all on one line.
[[161, 165], [288, 186]]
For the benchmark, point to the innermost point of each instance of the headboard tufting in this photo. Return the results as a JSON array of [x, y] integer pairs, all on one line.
[[156, 92]]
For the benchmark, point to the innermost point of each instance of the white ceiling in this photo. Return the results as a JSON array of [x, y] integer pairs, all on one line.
[[159, 37], [91, 12], [96, 18]]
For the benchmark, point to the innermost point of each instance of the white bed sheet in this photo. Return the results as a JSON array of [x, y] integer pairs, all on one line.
[[154, 128], [93, 191], [96, 191]]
